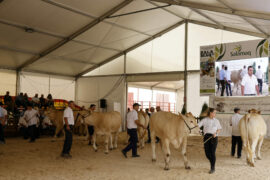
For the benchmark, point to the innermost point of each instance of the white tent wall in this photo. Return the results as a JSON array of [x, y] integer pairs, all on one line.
[[91, 89], [179, 100], [194, 100], [7, 82], [201, 36], [59, 87]]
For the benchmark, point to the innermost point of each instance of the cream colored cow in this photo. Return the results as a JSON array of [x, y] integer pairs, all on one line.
[[174, 129], [108, 124], [253, 129], [144, 120], [56, 117]]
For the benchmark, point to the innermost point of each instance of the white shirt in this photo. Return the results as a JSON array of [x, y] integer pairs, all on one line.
[[243, 72], [235, 124], [132, 116], [249, 84], [259, 74], [210, 126], [1, 112], [5, 115], [31, 117], [228, 75], [68, 113]]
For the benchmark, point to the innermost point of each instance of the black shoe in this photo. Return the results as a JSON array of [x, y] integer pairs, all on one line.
[[136, 155], [211, 171], [124, 153], [67, 156], [89, 143], [239, 157]]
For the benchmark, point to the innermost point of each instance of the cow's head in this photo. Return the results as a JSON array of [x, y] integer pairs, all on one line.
[[254, 111], [191, 123]]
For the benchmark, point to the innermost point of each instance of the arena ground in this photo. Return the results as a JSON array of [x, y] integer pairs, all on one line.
[[20, 160]]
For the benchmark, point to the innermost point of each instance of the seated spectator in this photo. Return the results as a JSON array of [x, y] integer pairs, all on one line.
[[19, 101], [35, 100], [42, 101], [26, 100], [8, 101], [50, 101]]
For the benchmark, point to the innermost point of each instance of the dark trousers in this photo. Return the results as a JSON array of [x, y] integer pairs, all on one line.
[[236, 140], [228, 89], [24, 132], [2, 137], [32, 132], [210, 149], [149, 136], [133, 141], [218, 84], [91, 130], [222, 82], [260, 83], [68, 140]]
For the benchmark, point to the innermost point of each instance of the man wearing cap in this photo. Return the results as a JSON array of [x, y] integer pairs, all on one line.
[[91, 129], [31, 116], [236, 137], [132, 123], [68, 126]]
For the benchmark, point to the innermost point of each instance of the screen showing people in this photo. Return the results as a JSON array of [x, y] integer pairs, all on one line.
[[247, 77]]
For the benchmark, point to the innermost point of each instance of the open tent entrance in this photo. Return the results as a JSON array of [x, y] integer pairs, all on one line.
[[166, 94]]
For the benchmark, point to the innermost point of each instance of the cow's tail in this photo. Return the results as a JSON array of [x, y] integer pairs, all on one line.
[[246, 124]]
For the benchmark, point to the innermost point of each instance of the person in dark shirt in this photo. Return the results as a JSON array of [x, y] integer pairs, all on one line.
[[42, 101], [19, 101], [8, 102], [50, 101]]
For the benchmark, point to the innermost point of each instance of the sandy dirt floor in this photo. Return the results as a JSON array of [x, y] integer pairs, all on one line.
[[20, 160]]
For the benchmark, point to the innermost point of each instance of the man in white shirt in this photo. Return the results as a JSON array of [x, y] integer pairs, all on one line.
[[228, 81], [236, 137], [68, 126], [243, 72], [211, 128], [3, 116], [132, 123], [259, 75], [31, 116], [249, 84]]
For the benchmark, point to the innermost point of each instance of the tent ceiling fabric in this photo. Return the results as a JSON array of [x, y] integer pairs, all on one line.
[[173, 85], [53, 21]]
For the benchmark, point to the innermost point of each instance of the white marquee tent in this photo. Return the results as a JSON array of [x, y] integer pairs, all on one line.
[[89, 49]]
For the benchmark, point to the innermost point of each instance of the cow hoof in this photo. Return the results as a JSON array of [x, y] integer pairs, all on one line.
[[259, 158], [111, 149], [154, 160], [106, 152], [187, 167], [166, 169], [95, 150]]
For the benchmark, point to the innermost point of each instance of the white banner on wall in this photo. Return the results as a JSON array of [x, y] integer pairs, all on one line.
[[227, 52]]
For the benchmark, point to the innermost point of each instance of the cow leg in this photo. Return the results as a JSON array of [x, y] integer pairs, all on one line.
[[153, 145], [184, 153], [259, 148], [143, 140], [246, 149], [107, 143], [167, 153], [111, 142], [115, 140], [253, 149], [94, 138]]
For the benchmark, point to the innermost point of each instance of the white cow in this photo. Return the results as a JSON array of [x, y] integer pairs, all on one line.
[[144, 120], [174, 129], [253, 129]]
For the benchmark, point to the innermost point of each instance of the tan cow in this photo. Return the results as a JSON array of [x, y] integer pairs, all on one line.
[[144, 120], [253, 129], [106, 123], [174, 129], [56, 117], [236, 78]]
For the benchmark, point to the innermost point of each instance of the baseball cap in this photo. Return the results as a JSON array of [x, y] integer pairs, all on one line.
[[136, 104]]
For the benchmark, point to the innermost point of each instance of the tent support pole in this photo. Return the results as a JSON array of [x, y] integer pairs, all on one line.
[[18, 84], [126, 94], [185, 72]]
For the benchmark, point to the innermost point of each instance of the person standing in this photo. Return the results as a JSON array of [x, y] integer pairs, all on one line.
[[31, 116], [228, 81], [91, 129], [259, 75], [211, 128], [3, 117], [132, 124], [249, 84], [68, 126], [222, 79], [236, 137], [148, 127], [8, 102], [35, 100], [243, 72]]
